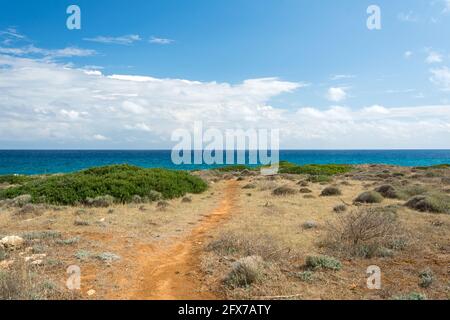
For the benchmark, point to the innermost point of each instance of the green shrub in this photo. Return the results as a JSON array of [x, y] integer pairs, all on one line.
[[434, 203], [305, 276], [315, 169], [411, 191], [119, 181], [323, 262], [101, 201], [369, 197], [387, 191], [340, 208], [17, 179], [411, 296], [284, 191], [331, 191], [319, 179], [42, 235]]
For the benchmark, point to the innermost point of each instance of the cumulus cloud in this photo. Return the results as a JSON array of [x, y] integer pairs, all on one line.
[[433, 57], [441, 77], [46, 103], [336, 94], [121, 40]]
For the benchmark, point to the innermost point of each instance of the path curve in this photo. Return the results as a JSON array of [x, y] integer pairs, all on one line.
[[173, 272]]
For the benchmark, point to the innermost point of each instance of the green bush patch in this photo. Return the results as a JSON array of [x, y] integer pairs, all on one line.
[[323, 262], [122, 182]]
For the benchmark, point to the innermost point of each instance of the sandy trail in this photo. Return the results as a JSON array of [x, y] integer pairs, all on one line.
[[172, 272]]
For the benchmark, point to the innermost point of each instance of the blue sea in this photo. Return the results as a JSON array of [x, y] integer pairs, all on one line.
[[60, 161]]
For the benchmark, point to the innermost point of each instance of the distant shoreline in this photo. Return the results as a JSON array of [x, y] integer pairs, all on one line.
[[64, 161]]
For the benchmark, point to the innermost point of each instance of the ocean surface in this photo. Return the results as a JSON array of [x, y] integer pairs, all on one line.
[[59, 161]]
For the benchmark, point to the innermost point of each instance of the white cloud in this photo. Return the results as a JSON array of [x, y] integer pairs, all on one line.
[[336, 94], [99, 137], [433, 57], [49, 104], [121, 40], [139, 126], [441, 77], [157, 40], [446, 6], [341, 77], [11, 35], [56, 53], [408, 54]]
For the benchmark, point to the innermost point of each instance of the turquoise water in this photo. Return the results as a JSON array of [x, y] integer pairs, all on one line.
[[52, 161]]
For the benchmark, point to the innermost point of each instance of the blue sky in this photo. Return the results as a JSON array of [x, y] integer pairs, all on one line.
[[320, 67]]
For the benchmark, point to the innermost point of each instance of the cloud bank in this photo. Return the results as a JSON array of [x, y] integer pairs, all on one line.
[[47, 104]]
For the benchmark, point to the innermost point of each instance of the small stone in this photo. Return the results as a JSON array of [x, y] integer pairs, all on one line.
[[12, 242], [91, 292], [37, 262]]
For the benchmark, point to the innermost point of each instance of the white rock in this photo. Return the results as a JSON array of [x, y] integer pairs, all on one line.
[[37, 262], [36, 257], [91, 292], [12, 242]]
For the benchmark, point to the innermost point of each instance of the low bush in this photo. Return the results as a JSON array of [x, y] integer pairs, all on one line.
[[245, 271], [331, 191], [323, 262], [340, 208], [283, 191], [320, 179], [411, 296], [365, 233], [387, 191], [434, 203], [369, 197], [122, 182], [407, 192]]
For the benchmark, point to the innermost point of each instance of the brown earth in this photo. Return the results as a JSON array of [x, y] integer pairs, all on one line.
[[171, 271]]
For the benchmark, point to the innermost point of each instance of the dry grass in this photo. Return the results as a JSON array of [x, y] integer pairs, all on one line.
[[402, 242]]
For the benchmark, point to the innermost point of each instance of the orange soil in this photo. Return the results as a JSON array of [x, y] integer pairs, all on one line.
[[171, 272]]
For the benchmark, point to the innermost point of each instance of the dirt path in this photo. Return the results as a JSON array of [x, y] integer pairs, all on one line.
[[173, 272]]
